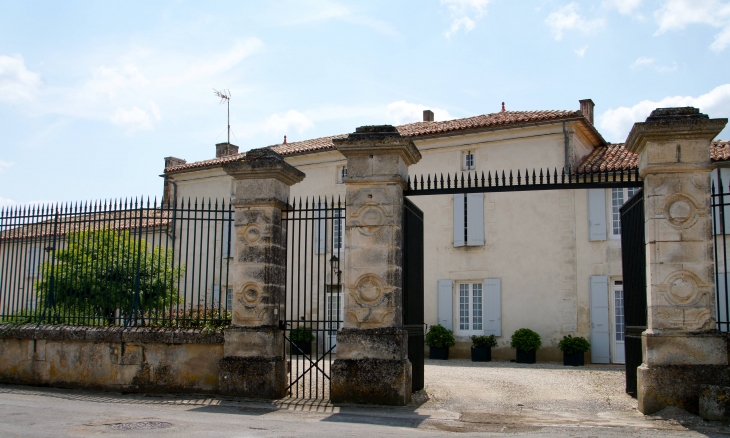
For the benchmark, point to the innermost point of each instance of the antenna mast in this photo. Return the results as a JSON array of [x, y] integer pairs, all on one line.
[[225, 95]]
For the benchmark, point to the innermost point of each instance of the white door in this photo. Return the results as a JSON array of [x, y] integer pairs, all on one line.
[[619, 352], [335, 312], [600, 329]]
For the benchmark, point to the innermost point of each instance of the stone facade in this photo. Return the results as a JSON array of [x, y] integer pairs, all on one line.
[[254, 364], [681, 338], [372, 359]]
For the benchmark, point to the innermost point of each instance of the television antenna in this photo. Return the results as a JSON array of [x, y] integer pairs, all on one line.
[[225, 96]]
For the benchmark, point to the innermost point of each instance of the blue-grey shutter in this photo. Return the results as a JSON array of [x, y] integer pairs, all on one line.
[[445, 303], [459, 220], [596, 214], [320, 229], [600, 326], [475, 219], [492, 306], [723, 283], [724, 199]]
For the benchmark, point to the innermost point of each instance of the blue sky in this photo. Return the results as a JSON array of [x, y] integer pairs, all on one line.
[[93, 95]]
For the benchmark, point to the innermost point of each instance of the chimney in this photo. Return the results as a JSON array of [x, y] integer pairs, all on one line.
[[427, 116], [173, 161], [225, 149], [586, 107]]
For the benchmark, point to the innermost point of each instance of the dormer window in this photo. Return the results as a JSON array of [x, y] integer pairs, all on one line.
[[468, 161]]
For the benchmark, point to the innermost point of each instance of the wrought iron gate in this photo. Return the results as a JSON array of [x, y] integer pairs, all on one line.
[[633, 259], [315, 231], [413, 288]]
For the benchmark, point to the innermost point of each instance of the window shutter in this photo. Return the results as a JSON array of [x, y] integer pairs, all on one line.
[[459, 220], [600, 330], [446, 299], [725, 199], [475, 219], [596, 214], [492, 307], [320, 230]]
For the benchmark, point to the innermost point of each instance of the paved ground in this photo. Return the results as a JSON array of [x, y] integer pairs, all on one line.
[[467, 399]]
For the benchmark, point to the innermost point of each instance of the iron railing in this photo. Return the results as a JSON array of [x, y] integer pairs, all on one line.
[[315, 245], [720, 228], [116, 263], [542, 179]]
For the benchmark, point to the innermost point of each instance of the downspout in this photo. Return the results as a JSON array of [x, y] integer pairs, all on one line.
[[566, 140]]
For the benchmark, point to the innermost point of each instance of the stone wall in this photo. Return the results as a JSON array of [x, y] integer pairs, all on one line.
[[132, 360]]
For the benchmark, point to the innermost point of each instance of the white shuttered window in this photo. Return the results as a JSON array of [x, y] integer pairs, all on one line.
[[469, 219]]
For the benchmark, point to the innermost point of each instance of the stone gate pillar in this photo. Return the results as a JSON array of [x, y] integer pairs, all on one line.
[[681, 346], [253, 364], [372, 348]]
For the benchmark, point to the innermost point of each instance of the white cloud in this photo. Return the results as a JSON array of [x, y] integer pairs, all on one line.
[[464, 13], [581, 52], [323, 10], [616, 123], [644, 61], [402, 112], [677, 14], [666, 68], [568, 18], [624, 7], [17, 83], [135, 119], [282, 124], [641, 61], [5, 165], [5, 202]]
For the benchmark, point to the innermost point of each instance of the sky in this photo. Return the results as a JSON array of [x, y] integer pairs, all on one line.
[[94, 95]]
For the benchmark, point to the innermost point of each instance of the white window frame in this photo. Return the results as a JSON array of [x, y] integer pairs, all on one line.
[[616, 204], [338, 232], [616, 333], [468, 161], [341, 174], [229, 299], [333, 291], [469, 308]]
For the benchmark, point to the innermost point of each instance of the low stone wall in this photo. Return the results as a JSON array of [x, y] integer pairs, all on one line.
[[131, 360]]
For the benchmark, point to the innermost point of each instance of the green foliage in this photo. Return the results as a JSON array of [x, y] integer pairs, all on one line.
[[570, 345], [438, 336], [526, 340], [484, 341], [98, 272], [301, 334]]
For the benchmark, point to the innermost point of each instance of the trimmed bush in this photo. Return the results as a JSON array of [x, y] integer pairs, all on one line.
[[301, 334], [570, 345], [484, 341], [526, 340], [440, 337]]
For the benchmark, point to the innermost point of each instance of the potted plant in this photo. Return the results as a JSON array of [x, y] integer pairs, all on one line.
[[301, 340], [573, 350], [526, 342], [481, 348], [439, 339]]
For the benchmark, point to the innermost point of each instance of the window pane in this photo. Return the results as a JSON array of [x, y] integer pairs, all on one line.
[[631, 191], [617, 200], [619, 314], [463, 307], [337, 232], [477, 306]]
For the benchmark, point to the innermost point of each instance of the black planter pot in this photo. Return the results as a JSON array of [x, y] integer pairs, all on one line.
[[301, 347], [526, 356], [574, 359], [481, 354], [441, 353]]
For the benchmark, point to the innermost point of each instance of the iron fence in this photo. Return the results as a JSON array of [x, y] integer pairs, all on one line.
[[119, 263], [315, 231], [720, 200]]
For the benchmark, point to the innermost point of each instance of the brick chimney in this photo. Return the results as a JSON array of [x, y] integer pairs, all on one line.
[[586, 107], [427, 116], [225, 149], [173, 161]]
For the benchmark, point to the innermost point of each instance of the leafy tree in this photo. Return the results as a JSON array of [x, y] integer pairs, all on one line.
[[102, 271]]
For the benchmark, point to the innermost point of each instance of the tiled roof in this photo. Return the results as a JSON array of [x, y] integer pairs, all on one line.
[[615, 157], [419, 129]]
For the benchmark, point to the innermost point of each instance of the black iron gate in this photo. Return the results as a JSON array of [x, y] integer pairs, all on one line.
[[633, 259], [315, 231], [413, 288]]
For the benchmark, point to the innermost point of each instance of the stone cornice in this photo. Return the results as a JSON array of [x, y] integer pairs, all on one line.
[[380, 139], [673, 123], [264, 163]]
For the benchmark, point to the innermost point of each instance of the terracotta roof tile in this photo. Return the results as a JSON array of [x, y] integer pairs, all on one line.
[[419, 129], [615, 157]]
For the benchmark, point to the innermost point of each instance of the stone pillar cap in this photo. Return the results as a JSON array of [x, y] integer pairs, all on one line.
[[378, 139], [264, 163], [673, 123]]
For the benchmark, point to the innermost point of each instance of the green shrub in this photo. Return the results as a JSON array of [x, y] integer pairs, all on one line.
[[484, 341], [438, 336], [526, 340], [301, 334], [570, 345]]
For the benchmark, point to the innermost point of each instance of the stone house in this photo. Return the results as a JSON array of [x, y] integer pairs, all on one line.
[[495, 262]]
